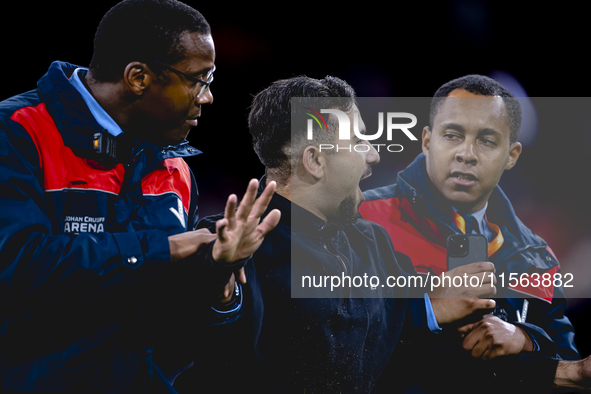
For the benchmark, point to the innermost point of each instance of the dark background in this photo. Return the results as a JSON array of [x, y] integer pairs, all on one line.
[[394, 49]]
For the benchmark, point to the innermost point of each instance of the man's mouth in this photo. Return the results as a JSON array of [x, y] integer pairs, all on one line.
[[366, 174], [464, 179], [193, 121]]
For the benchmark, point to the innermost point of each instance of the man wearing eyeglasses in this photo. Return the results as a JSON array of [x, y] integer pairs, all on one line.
[[102, 280]]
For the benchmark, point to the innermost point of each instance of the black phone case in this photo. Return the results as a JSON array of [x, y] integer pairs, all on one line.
[[477, 251]]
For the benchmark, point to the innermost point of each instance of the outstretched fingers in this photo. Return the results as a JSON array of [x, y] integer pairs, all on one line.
[[261, 204], [269, 222], [248, 200], [229, 220], [241, 231]]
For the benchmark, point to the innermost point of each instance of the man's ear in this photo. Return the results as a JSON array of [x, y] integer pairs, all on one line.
[[426, 139], [136, 77], [314, 161], [514, 152]]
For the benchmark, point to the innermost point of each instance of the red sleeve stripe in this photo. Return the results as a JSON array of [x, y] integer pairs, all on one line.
[[172, 176], [539, 287]]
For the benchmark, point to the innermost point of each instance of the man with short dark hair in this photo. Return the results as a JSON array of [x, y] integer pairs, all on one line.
[[470, 141], [296, 336], [102, 283]]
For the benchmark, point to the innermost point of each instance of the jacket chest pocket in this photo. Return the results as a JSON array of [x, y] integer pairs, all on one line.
[[84, 211]]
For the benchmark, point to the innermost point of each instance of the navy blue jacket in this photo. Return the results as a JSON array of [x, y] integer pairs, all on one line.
[[419, 221], [88, 294], [337, 343]]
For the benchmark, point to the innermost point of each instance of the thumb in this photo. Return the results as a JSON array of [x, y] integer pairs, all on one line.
[[220, 227], [241, 276], [484, 303]]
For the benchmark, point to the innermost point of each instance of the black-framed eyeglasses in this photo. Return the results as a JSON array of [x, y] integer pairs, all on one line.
[[194, 80]]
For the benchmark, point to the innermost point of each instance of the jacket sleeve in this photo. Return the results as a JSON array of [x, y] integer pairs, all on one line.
[[548, 327], [532, 259], [416, 326], [544, 321], [219, 277]]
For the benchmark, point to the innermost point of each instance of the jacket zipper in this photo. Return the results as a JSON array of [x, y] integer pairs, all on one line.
[[345, 270]]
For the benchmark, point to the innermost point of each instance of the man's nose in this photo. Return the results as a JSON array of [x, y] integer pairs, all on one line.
[[373, 157], [206, 97], [466, 152]]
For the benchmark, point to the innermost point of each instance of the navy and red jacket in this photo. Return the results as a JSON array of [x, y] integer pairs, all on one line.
[[289, 341], [419, 220], [88, 293]]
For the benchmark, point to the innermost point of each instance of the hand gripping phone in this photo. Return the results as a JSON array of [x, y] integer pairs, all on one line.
[[465, 249]]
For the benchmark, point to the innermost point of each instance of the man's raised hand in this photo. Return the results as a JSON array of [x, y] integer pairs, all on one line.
[[241, 231]]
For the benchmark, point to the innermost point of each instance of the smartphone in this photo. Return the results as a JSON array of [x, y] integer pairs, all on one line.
[[465, 249]]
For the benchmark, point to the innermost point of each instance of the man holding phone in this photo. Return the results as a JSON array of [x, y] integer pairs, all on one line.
[[451, 188]]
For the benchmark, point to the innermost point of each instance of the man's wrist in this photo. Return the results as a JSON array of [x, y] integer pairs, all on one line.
[[228, 305], [569, 374], [431, 317], [528, 345], [230, 312]]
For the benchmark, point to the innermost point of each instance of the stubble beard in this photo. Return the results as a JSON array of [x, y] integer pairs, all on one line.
[[348, 211]]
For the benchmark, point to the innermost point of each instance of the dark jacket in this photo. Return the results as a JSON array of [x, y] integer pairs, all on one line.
[[85, 275], [419, 221], [302, 338]]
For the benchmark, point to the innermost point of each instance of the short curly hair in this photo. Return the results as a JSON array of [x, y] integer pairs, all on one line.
[[485, 86], [273, 120], [142, 30]]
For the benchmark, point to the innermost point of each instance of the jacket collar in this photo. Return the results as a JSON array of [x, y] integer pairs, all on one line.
[[416, 187], [301, 219], [75, 121], [69, 112]]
